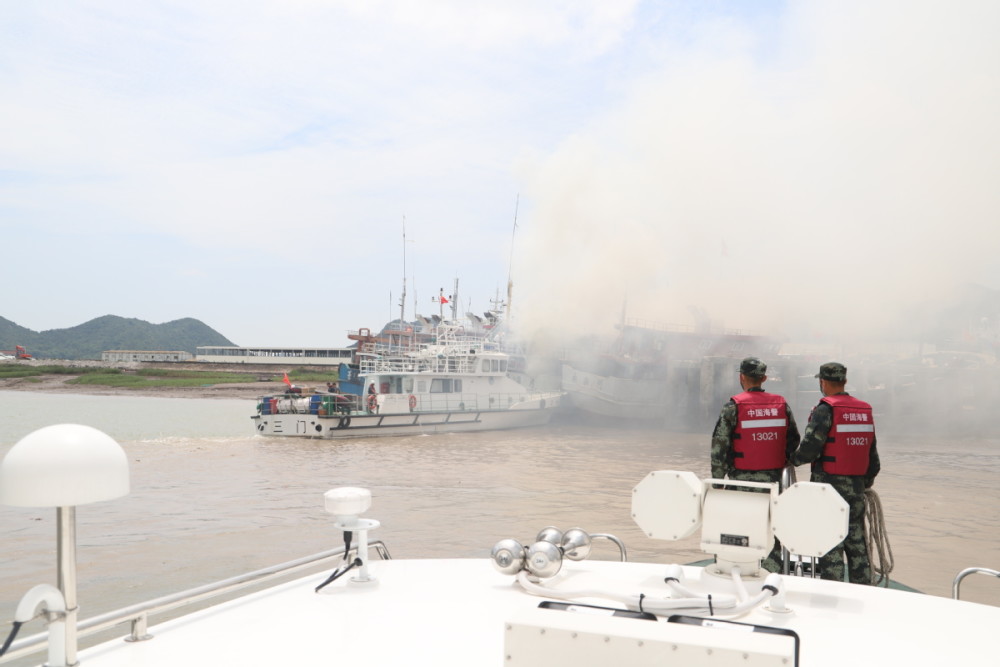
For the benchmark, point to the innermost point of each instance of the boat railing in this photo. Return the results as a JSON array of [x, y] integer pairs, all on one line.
[[966, 572], [461, 402], [138, 614], [446, 363]]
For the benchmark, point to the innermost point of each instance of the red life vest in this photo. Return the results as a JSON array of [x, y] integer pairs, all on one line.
[[851, 436], [761, 431]]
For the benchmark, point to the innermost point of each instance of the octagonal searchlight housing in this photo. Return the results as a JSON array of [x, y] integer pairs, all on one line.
[[63, 466], [739, 520], [666, 504], [810, 518]]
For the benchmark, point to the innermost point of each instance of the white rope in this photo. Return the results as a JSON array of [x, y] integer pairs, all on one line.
[[877, 540]]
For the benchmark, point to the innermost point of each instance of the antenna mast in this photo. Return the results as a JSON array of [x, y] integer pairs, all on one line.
[[402, 298], [510, 261]]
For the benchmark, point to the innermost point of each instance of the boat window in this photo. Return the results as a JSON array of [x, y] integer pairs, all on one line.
[[496, 365], [503, 365], [458, 386], [486, 365], [408, 386], [441, 386]]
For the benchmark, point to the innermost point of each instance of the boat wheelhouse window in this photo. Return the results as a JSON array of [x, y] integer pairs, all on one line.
[[503, 365], [486, 365], [445, 386], [407, 385]]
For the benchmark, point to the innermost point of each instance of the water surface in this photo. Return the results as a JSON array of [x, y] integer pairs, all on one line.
[[211, 499]]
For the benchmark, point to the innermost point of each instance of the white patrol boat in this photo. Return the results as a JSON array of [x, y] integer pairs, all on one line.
[[539, 604], [457, 382]]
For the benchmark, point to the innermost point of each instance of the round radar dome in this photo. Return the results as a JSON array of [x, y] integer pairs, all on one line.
[[810, 518], [347, 501], [666, 504], [63, 466]]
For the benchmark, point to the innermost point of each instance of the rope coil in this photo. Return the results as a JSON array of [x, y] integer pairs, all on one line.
[[877, 540]]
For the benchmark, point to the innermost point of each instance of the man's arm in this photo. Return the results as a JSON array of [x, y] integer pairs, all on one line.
[[813, 440], [792, 439], [722, 441], [874, 466]]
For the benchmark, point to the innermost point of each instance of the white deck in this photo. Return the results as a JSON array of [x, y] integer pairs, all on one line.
[[455, 612]]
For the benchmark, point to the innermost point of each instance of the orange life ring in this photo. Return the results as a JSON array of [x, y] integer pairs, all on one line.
[[413, 402], [372, 402]]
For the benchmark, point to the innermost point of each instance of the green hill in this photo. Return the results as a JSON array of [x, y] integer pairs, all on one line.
[[110, 332]]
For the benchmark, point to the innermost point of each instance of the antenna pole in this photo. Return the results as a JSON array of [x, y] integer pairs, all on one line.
[[402, 298], [510, 262]]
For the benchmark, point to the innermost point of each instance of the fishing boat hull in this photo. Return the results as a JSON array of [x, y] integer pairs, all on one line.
[[536, 412], [609, 397]]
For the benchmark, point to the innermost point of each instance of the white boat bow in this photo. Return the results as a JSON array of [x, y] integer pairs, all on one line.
[[539, 605]]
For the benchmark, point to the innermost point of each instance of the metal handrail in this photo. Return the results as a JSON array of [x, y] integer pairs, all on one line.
[[139, 614], [612, 538], [966, 572]]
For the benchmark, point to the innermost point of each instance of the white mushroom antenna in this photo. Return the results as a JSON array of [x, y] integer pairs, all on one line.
[[63, 466], [347, 503]]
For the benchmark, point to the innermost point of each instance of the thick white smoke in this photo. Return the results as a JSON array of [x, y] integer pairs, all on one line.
[[819, 185]]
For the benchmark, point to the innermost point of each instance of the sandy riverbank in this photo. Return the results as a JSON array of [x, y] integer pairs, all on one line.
[[57, 384], [60, 384]]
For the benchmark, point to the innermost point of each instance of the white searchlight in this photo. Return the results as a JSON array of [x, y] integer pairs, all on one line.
[[666, 504], [63, 466], [739, 520], [810, 519]]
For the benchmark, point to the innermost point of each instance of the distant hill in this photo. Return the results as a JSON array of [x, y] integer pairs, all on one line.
[[110, 332]]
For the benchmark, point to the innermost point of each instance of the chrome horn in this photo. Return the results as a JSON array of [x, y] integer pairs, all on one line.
[[508, 556], [576, 544], [544, 558]]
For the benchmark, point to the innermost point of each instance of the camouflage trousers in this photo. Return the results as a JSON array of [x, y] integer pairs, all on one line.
[[772, 563], [831, 566]]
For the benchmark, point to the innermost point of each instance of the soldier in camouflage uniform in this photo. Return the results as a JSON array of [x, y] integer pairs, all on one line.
[[817, 444], [724, 452]]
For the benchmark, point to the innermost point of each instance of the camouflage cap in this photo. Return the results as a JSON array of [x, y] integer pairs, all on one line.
[[753, 367], [832, 371]]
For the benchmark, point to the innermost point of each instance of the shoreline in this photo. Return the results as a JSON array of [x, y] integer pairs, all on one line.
[[250, 390], [57, 384]]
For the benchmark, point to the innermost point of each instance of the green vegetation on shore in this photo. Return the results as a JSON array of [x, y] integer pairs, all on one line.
[[25, 370], [156, 377], [115, 377], [150, 377]]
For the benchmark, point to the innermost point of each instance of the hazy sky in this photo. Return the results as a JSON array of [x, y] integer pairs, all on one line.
[[794, 166]]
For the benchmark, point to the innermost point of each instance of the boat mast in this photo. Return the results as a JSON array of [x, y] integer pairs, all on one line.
[[402, 298], [510, 261]]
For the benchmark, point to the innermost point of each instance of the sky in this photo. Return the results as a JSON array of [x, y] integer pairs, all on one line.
[[280, 170]]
